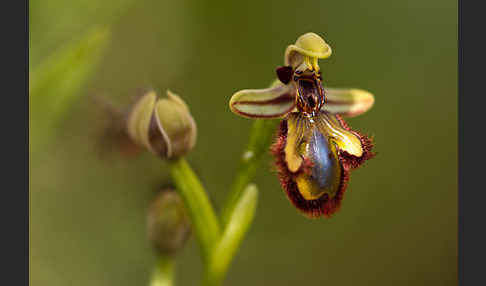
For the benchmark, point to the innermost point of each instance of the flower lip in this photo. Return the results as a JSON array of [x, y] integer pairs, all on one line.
[[323, 205]]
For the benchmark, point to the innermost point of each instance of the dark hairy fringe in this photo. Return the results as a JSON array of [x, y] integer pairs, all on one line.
[[311, 208], [351, 161]]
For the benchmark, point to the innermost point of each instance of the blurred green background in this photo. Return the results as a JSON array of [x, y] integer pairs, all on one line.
[[398, 222]]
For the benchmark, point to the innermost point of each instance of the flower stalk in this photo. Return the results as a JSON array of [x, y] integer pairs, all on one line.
[[218, 247], [205, 223], [164, 272], [166, 128], [261, 137], [219, 243]]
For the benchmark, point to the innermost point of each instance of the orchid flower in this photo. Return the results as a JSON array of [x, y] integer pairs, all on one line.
[[315, 149]]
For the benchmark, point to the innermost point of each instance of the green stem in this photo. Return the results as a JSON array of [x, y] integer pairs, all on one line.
[[261, 137], [204, 220], [164, 272], [219, 248]]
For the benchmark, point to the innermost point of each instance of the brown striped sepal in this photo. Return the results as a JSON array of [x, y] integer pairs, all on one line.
[[273, 102], [348, 102]]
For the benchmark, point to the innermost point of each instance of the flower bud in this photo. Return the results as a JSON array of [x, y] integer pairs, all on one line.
[[168, 223], [164, 126]]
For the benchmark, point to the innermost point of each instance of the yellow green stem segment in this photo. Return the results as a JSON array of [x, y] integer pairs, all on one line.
[[163, 273], [218, 245], [204, 220]]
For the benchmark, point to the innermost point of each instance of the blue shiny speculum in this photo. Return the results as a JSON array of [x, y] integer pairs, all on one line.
[[324, 174], [322, 158]]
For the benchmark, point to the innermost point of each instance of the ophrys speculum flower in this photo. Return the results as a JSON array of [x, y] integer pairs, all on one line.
[[315, 148]]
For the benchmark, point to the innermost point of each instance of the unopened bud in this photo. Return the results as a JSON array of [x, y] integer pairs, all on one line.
[[164, 126], [168, 224]]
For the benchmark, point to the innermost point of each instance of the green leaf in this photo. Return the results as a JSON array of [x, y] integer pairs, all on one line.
[[55, 82], [236, 228]]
